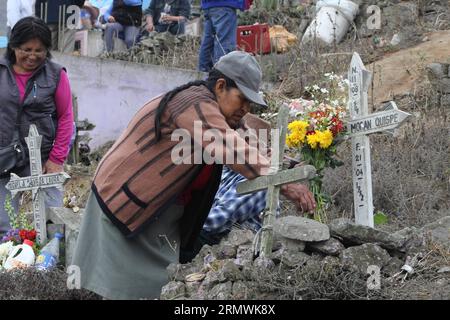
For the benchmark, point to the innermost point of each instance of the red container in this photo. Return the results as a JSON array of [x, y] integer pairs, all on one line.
[[254, 39]]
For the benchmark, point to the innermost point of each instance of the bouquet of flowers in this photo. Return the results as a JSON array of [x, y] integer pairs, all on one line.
[[21, 229], [316, 130]]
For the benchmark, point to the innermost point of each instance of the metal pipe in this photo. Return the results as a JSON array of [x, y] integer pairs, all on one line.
[[59, 28], [46, 12]]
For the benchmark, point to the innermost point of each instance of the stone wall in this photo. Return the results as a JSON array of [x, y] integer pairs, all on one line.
[[227, 270]]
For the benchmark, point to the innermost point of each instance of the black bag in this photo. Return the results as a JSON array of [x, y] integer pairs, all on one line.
[[12, 156]]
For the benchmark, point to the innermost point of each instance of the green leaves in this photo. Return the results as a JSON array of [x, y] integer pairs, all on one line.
[[380, 218]]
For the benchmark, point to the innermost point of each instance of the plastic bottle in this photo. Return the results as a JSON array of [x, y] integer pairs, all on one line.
[[49, 256], [21, 256]]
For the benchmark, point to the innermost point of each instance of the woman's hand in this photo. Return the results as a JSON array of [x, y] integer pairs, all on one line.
[[300, 195], [51, 167]]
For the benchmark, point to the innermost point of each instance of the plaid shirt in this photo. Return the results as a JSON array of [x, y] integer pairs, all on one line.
[[230, 208]]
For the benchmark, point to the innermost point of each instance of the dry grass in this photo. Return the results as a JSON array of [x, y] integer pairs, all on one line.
[[30, 284]]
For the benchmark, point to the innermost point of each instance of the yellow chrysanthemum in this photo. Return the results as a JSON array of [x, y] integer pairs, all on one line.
[[322, 139], [312, 140], [297, 133], [325, 138]]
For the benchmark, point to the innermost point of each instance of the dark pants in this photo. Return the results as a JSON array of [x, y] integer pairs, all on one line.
[[173, 28]]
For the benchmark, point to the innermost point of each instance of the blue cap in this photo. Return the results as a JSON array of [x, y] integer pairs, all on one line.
[[59, 235]]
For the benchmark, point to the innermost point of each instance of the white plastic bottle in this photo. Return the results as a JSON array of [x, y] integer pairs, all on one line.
[[21, 256], [49, 256]]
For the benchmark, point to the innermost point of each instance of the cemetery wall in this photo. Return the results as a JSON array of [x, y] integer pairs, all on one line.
[[110, 92]]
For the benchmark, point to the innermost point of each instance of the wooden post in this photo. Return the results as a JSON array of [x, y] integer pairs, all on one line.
[[273, 182], [362, 123]]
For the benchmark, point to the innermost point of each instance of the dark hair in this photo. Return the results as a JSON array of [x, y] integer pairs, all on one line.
[[210, 82], [24, 30]]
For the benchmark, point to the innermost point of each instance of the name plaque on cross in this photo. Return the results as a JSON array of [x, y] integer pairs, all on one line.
[[36, 183]]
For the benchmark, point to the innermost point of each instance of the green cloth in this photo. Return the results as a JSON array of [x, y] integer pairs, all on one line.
[[116, 267]]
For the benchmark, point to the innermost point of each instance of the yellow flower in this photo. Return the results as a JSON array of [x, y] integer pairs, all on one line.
[[313, 140], [297, 133], [325, 138]]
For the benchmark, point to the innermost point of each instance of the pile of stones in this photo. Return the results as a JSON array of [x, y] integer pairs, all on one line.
[[222, 271]]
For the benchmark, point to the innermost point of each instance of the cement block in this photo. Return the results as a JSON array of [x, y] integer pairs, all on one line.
[[71, 222]]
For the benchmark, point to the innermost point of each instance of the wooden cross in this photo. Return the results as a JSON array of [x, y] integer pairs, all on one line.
[[273, 182], [36, 182], [361, 124]]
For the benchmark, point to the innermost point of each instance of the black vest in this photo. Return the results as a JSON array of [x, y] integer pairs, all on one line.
[[38, 106], [127, 15]]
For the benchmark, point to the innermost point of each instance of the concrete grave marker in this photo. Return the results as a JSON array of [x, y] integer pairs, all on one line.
[[273, 182], [361, 124], [36, 182]]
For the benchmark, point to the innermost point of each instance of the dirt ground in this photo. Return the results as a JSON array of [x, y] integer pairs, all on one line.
[[401, 72]]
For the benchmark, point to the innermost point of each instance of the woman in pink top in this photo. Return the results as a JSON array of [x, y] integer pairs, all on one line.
[[34, 90]]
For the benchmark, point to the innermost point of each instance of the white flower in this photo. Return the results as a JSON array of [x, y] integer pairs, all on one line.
[[316, 87], [323, 90]]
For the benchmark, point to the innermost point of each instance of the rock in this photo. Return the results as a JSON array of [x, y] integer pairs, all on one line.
[[244, 256], [393, 266], [192, 288], [361, 257], [438, 75], [222, 291], [330, 261], [353, 234], [291, 244], [212, 279], [205, 251], [178, 272], [415, 242], [290, 258], [263, 263], [240, 291], [299, 228], [173, 290], [230, 271], [331, 247], [238, 237], [226, 251], [438, 231]]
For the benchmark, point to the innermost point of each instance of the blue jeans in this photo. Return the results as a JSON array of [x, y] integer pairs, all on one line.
[[219, 36], [112, 30]]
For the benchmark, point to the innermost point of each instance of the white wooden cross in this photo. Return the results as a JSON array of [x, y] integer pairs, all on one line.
[[273, 182], [361, 124], [36, 182]]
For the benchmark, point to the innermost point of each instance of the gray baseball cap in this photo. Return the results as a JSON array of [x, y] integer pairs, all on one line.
[[242, 68]]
